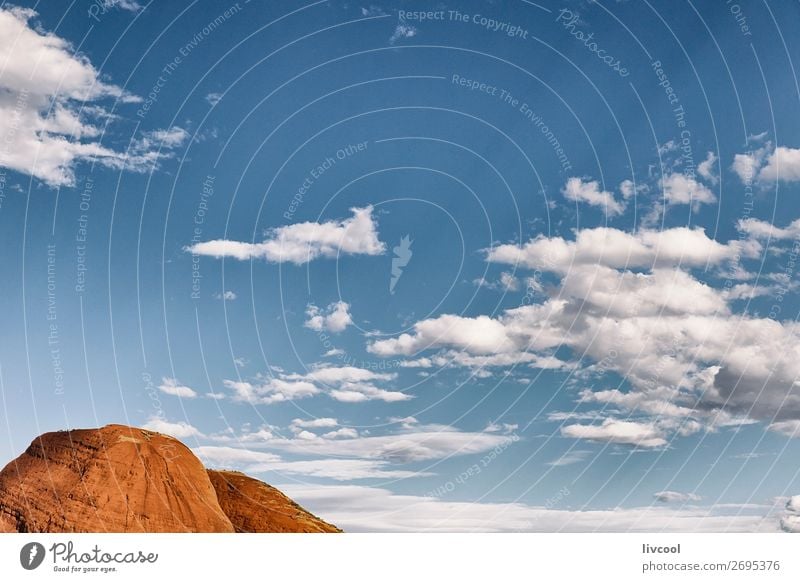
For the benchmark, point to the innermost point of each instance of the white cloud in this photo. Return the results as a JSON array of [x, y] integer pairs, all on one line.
[[789, 428], [47, 121], [578, 190], [768, 165], [260, 462], [179, 430], [161, 138], [507, 282], [618, 432], [706, 168], [690, 362], [344, 454], [479, 335], [506, 340], [333, 375], [688, 247], [747, 165], [355, 392], [412, 443], [502, 427], [299, 425], [341, 433], [761, 229], [344, 383], [100, 7], [173, 387], [372, 10], [454, 358], [335, 318], [409, 442], [675, 497], [783, 164], [214, 98], [680, 189], [226, 296], [628, 189], [791, 519], [402, 30], [302, 242], [369, 509], [129, 5], [315, 423], [271, 391], [569, 458]]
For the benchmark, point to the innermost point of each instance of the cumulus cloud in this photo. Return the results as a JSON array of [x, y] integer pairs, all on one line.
[[344, 383], [762, 230], [706, 168], [335, 318], [783, 164], [768, 165], [589, 191], [354, 392], [352, 384], [675, 497], [599, 290], [320, 427], [681, 189], [315, 423], [478, 335], [791, 520], [689, 361], [369, 509], [179, 430], [270, 391], [174, 388], [48, 123], [611, 247], [747, 165], [302, 242]]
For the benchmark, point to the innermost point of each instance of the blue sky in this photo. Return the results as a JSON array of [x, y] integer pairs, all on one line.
[[485, 266]]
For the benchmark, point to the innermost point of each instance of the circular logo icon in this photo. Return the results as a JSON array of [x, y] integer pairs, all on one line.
[[31, 555]]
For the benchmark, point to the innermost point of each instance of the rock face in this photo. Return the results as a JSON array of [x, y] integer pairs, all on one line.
[[253, 506], [124, 479]]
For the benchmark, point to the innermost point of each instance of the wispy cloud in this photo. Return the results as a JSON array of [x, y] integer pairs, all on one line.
[[302, 242], [49, 121]]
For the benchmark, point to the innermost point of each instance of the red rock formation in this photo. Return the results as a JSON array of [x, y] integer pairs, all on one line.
[[253, 506], [124, 479]]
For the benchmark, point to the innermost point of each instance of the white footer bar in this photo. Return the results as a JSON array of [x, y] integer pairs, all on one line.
[[389, 557]]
